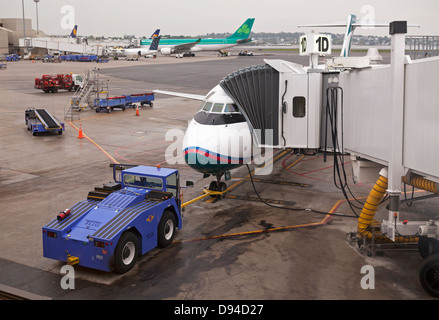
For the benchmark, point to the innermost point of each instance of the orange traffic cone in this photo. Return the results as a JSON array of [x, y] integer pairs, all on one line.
[[80, 136], [137, 111]]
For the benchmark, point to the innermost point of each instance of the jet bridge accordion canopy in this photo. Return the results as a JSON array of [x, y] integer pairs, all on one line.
[[255, 90]]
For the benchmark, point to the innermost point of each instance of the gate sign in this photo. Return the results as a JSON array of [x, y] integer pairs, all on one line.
[[315, 43]]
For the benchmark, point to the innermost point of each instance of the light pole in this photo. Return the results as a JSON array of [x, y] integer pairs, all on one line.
[[24, 24], [24, 30], [36, 8]]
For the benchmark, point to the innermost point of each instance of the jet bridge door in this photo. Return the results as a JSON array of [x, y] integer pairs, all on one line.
[[294, 112]]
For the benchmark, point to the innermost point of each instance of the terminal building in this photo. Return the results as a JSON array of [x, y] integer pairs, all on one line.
[[13, 29]]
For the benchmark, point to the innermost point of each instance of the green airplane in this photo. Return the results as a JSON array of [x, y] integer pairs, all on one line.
[[188, 46]]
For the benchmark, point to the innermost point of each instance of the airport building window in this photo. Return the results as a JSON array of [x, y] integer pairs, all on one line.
[[299, 107]]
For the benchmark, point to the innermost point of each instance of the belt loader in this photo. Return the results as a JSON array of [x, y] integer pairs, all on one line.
[[40, 120]]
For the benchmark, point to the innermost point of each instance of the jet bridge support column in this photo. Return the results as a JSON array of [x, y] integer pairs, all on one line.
[[397, 30]]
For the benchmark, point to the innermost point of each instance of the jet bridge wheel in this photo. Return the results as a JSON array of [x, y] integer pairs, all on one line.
[[429, 275], [427, 246], [126, 253]]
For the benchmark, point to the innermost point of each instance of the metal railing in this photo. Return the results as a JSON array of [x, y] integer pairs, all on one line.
[[418, 47]]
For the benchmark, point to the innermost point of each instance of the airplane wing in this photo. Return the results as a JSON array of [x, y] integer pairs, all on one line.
[[185, 46], [183, 95]]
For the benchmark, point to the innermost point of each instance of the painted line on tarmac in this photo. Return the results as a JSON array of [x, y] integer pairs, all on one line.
[[95, 144]]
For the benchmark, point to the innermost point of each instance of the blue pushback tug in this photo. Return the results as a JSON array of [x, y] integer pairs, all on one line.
[[119, 221]]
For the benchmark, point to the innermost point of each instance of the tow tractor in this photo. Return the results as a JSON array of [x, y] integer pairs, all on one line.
[[40, 120], [118, 222]]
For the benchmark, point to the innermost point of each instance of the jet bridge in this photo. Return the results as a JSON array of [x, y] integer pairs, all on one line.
[[62, 44], [280, 100], [386, 116]]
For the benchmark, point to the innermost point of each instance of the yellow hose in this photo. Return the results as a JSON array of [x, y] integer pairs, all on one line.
[[373, 200], [420, 183], [370, 207]]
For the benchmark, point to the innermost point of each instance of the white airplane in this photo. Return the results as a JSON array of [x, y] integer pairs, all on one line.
[[139, 52], [180, 47], [218, 138]]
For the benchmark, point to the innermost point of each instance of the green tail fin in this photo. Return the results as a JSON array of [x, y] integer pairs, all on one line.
[[244, 30]]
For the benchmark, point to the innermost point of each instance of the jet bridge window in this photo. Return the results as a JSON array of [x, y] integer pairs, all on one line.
[[299, 107]]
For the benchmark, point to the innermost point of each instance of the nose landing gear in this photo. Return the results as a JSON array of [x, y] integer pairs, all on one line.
[[218, 188]]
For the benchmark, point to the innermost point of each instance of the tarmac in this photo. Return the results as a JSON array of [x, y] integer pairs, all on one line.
[[237, 248]]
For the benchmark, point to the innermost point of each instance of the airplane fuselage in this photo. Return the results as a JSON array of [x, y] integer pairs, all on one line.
[[202, 45], [218, 138]]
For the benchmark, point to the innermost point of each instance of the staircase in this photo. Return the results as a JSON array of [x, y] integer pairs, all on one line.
[[85, 96]]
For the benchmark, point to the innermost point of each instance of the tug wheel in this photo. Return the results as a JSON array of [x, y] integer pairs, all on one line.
[[166, 229], [126, 253], [429, 275]]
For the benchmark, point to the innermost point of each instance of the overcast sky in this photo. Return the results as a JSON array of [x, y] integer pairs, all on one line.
[[198, 17]]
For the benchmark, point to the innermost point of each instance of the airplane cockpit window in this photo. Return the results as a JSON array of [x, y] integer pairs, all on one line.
[[211, 107], [231, 108], [207, 106], [218, 107]]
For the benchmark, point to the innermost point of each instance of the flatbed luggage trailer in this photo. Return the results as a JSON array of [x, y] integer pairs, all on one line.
[[118, 222], [123, 102], [40, 120]]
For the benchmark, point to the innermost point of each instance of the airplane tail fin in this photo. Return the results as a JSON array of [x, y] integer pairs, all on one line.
[[347, 41], [155, 34], [244, 30], [155, 43], [74, 31]]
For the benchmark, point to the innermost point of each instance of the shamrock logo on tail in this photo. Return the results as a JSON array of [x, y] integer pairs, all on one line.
[[244, 29]]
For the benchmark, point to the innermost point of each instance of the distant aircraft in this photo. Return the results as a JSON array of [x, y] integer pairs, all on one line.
[[155, 34], [74, 32], [138, 52], [188, 46]]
